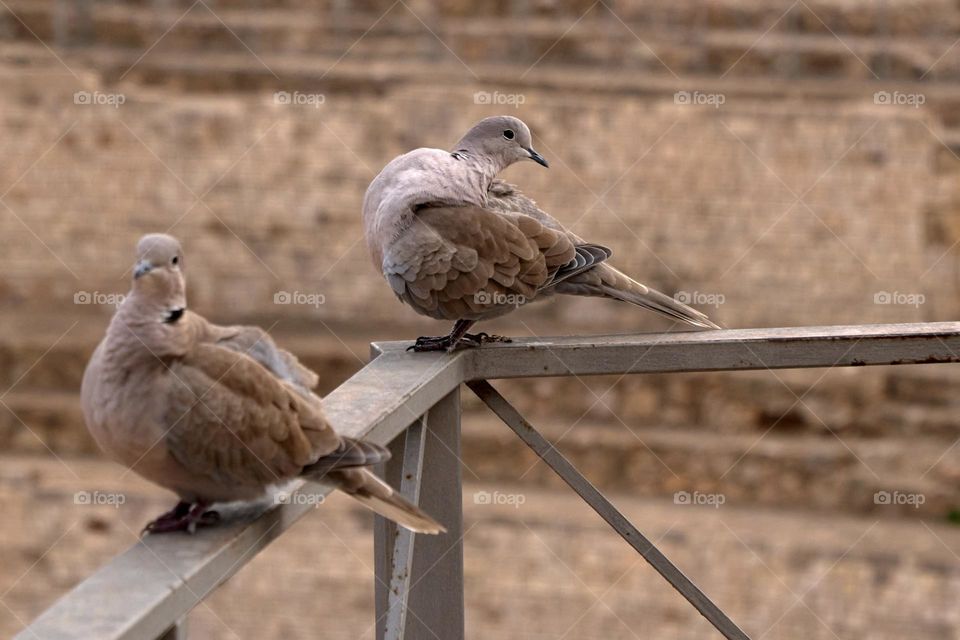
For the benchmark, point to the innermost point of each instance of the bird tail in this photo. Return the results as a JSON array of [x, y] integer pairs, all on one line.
[[605, 280], [380, 497], [345, 468], [350, 454]]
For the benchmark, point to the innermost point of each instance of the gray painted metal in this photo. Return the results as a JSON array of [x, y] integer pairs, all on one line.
[[140, 593], [726, 350], [386, 533], [177, 632], [592, 496], [402, 553], [433, 572]]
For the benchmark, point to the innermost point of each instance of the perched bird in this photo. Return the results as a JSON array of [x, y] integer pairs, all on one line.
[[216, 414], [456, 243]]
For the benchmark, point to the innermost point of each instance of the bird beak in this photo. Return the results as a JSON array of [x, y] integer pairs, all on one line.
[[536, 157], [143, 267]]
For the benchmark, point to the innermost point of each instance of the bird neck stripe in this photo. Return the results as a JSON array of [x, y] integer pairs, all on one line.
[[173, 315]]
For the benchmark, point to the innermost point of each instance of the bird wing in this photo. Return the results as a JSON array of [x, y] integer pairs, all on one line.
[[231, 419], [455, 262], [504, 197], [604, 281], [257, 343]]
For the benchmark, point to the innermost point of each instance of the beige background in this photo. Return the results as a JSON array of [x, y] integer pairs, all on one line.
[[797, 201]]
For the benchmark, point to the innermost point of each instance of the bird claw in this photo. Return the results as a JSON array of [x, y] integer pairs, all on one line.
[[183, 517], [427, 343], [477, 339], [445, 343]]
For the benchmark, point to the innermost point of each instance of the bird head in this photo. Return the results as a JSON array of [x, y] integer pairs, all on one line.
[[158, 272], [503, 138]]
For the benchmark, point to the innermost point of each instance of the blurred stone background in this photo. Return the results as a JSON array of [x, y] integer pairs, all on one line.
[[780, 163]]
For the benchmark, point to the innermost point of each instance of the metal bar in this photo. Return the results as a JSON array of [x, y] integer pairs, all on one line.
[[177, 632], [435, 598], [394, 575], [161, 578], [725, 350], [398, 594], [426, 577], [385, 535], [606, 510]]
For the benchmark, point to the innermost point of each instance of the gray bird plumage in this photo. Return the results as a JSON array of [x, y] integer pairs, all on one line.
[[454, 242], [213, 413]]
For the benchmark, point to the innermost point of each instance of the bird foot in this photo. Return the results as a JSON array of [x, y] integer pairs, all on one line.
[[183, 517], [446, 343], [431, 343], [477, 339]]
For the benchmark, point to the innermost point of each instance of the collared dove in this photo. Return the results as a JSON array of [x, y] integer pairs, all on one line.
[[456, 243], [216, 414]]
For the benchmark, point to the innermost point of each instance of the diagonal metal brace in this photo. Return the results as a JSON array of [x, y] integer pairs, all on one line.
[[592, 496]]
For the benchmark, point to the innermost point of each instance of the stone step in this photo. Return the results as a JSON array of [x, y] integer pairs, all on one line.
[[846, 402], [843, 17], [221, 72], [51, 356], [534, 565], [39, 363], [930, 386], [823, 472], [915, 401], [910, 419], [44, 422], [912, 477], [598, 42]]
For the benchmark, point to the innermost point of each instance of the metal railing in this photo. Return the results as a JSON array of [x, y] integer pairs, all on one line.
[[147, 591]]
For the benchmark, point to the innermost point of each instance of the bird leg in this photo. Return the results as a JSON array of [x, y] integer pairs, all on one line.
[[185, 516], [174, 515], [442, 343], [458, 337]]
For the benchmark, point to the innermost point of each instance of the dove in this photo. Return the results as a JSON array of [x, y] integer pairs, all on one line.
[[455, 242], [216, 414]]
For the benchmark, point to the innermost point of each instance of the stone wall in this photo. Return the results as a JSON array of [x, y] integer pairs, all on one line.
[[266, 198], [797, 201]]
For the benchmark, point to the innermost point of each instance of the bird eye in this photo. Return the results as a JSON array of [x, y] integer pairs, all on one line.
[[175, 260], [508, 134]]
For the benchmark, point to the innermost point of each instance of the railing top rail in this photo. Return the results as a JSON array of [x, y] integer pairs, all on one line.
[[142, 592], [725, 350]]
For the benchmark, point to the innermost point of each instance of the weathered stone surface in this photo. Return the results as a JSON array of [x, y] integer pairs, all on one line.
[[541, 568], [693, 199], [706, 212]]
